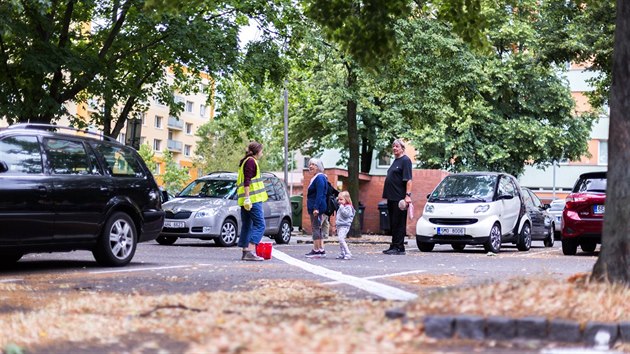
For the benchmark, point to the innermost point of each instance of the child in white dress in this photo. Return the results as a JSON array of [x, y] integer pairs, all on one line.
[[343, 221]]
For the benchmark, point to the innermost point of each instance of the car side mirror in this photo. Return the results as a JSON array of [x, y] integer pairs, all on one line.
[[3, 167], [546, 206], [428, 195], [164, 195]]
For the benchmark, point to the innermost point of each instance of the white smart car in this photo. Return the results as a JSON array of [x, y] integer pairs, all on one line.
[[475, 208]]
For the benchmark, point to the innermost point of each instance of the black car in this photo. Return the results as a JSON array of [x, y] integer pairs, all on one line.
[[541, 222], [75, 191]]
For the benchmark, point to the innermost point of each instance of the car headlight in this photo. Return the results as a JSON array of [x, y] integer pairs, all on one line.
[[482, 208], [428, 208], [205, 213]]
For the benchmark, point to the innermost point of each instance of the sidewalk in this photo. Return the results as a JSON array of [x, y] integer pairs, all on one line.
[[298, 237]]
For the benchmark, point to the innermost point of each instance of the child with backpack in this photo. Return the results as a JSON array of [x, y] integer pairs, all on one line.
[[345, 215]]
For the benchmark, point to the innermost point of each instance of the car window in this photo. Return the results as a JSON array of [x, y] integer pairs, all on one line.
[[506, 187], [527, 198], [269, 188], [536, 200], [21, 154], [210, 188], [590, 185], [556, 206], [120, 161], [280, 190], [68, 157]]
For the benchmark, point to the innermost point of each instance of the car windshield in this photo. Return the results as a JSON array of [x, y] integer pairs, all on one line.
[[211, 188], [597, 185], [557, 206], [467, 188]]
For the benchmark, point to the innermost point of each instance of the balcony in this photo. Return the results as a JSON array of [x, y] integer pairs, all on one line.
[[174, 145], [174, 123]]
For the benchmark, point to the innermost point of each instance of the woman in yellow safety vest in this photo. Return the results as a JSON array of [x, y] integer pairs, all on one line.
[[251, 194]]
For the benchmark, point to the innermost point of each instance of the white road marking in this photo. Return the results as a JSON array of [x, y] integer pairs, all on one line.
[[382, 290], [382, 276], [10, 280], [139, 269]]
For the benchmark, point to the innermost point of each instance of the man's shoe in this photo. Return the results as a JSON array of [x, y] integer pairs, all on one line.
[[316, 254], [389, 250], [395, 252], [250, 256], [312, 253]]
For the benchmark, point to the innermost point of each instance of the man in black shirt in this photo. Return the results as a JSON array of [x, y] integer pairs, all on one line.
[[398, 187]]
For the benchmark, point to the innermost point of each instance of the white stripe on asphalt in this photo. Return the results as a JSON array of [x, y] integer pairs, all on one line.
[[138, 269], [10, 280], [382, 290], [382, 276]]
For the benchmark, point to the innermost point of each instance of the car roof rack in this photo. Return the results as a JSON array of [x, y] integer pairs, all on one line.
[[55, 127], [219, 172]]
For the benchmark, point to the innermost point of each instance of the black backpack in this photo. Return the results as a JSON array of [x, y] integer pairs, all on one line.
[[331, 199]]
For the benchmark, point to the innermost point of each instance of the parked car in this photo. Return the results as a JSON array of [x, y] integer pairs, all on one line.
[[476, 208], [583, 215], [64, 192], [555, 213], [541, 222], [207, 209]]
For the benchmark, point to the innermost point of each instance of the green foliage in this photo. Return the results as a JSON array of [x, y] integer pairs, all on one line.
[[13, 349], [148, 155], [175, 176]]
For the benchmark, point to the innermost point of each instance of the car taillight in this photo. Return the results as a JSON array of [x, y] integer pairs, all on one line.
[[573, 202]]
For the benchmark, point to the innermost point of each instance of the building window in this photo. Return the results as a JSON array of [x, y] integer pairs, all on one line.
[[187, 149], [384, 159], [189, 106], [157, 169], [157, 145], [202, 110], [158, 122], [189, 128], [306, 160], [142, 117], [143, 140], [603, 152]]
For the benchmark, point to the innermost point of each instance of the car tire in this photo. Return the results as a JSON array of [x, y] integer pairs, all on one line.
[[458, 247], [494, 239], [569, 246], [117, 244], [549, 241], [588, 246], [284, 233], [9, 258], [166, 240], [425, 246], [524, 242], [557, 235], [228, 234]]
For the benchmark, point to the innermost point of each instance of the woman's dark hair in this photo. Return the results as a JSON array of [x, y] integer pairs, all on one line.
[[252, 149]]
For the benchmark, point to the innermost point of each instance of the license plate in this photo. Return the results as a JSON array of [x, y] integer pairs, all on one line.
[[174, 224], [458, 231], [598, 209]]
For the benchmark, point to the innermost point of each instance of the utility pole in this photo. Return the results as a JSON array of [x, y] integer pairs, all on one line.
[[286, 134]]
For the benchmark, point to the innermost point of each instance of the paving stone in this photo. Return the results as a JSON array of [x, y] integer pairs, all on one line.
[[594, 332], [532, 328], [624, 331], [471, 327], [439, 326], [564, 331], [394, 314], [501, 328]]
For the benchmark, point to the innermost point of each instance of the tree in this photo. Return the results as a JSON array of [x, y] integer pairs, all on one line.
[[148, 155], [175, 176]]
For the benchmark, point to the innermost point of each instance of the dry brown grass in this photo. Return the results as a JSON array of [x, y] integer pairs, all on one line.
[[283, 316]]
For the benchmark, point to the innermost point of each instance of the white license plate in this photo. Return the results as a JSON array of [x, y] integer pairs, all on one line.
[[598, 209], [174, 224], [458, 231]]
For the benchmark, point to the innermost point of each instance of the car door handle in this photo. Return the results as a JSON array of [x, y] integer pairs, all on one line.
[[104, 189]]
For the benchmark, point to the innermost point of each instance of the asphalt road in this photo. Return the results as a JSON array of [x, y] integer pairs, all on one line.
[[194, 265]]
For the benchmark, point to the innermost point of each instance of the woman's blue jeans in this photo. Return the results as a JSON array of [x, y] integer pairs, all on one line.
[[253, 227]]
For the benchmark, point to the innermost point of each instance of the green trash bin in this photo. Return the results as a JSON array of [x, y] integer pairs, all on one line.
[[296, 210]]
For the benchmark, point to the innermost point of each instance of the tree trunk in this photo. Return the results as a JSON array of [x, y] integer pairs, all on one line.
[[367, 150], [353, 150], [613, 263]]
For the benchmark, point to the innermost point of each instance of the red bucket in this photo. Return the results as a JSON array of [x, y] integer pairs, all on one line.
[[264, 249]]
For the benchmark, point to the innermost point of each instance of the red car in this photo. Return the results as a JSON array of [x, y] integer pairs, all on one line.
[[583, 215]]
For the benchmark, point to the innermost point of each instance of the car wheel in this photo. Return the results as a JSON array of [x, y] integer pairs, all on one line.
[[588, 246], [557, 235], [9, 258], [425, 246], [569, 246], [494, 240], [549, 241], [458, 247], [525, 238], [117, 243], [284, 233], [166, 240], [227, 237]]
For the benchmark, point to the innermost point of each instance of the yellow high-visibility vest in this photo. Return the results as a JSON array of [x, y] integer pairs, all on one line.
[[257, 192]]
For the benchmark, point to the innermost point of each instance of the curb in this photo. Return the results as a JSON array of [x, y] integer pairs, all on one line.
[[592, 333]]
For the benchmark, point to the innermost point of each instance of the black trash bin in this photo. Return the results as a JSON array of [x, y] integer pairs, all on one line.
[[296, 210], [361, 213], [384, 217]]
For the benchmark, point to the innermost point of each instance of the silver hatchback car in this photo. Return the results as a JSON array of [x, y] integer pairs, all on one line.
[[207, 209]]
